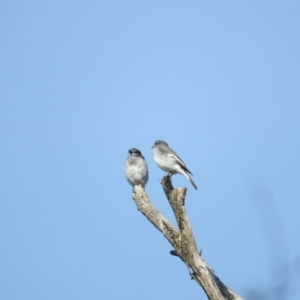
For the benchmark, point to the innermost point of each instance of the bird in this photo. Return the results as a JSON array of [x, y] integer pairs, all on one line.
[[136, 169], [169, 161]]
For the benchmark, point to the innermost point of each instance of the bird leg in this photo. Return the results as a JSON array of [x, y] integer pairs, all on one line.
[[170, 174]]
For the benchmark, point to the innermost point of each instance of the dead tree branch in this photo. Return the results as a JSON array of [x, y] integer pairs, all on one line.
[[182, 240]]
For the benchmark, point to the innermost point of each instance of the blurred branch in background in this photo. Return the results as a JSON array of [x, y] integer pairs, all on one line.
[[282, 271]]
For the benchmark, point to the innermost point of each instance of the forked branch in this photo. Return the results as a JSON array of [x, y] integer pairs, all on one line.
[[182, 240]]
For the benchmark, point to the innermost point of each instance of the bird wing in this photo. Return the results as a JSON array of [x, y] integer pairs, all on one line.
[[180, 161], [177, 158]]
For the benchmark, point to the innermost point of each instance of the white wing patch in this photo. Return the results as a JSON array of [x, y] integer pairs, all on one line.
[[177, 158]]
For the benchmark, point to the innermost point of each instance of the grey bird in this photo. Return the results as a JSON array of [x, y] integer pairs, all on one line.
[[136, 169], [169, 161]]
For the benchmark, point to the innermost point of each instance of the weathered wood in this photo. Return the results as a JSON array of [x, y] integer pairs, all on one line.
[[182, 240]]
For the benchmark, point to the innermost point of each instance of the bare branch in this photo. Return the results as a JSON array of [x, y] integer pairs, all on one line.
[[183, 241]]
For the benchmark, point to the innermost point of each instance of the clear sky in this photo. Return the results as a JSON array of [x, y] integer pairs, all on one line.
[[82, 82]]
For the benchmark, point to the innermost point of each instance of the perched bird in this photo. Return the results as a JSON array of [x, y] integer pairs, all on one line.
[[169, 161], [136, 169]]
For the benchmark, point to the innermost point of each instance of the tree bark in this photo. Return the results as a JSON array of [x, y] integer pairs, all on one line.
[[182, 240]]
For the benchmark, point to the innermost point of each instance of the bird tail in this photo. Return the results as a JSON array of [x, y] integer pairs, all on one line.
[[190, 179]]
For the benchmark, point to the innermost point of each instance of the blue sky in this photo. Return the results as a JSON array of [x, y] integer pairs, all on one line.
[[81, 83]]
